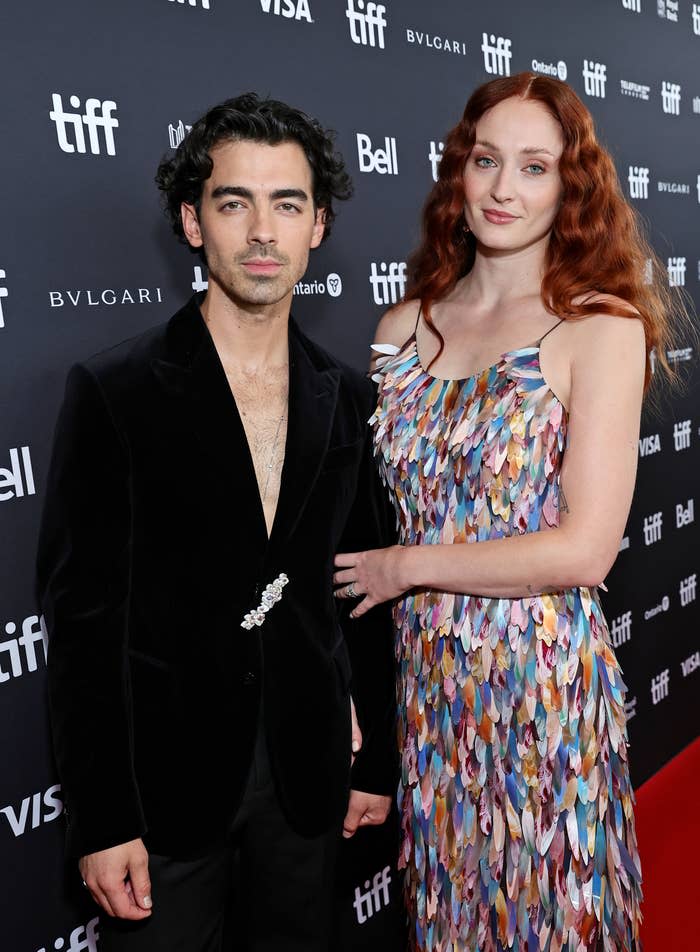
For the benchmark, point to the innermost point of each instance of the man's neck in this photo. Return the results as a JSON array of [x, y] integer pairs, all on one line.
[[251, 337]]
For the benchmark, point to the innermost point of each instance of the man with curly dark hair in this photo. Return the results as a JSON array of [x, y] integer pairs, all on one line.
[[199, 673]]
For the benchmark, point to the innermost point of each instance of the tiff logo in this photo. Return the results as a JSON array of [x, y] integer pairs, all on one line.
[[638, 178], [696, 19], [366, 29], [652, 528], [193, 3], [671, 98], [3, 294], [388, 288], [23, 483], [685, 514], [634, 5], [177, 133], [374, 898], [291, 9], [98, 115], [676, 272], [594, 78], [621, 629], [33, 633], [681, 435], [18, 818], [688, 590], [659, 686], [383, 160], [82, 939], [497, 54], [434, 157]]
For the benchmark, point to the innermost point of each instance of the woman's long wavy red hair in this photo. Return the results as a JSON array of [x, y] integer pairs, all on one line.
[[597, 244]]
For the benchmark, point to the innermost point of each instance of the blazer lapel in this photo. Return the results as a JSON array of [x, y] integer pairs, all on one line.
[[313, 393], [195, 375]]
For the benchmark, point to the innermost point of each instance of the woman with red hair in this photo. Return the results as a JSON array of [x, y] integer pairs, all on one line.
[[510, 387]]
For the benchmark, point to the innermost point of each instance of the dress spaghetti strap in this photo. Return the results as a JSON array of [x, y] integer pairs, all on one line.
[[551, 329]]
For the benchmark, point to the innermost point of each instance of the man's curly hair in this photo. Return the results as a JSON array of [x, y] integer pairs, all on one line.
[[251, 118]]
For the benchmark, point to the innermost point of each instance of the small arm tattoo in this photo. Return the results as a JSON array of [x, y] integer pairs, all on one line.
[[563, 504]]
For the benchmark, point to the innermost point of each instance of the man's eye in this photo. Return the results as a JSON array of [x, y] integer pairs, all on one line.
[[288, 207]]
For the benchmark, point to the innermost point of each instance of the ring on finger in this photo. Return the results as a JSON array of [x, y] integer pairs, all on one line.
[[350, 590]]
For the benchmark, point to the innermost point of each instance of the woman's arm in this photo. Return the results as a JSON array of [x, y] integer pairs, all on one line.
[[597, 482]]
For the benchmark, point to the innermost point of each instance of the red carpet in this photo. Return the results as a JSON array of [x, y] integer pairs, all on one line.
[[668, 829]]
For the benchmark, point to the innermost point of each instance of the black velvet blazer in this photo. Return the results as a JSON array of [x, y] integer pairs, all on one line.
[[154, 546]]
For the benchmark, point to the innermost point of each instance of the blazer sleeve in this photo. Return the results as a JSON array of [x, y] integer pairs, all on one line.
[[83, 586], [370, 638]]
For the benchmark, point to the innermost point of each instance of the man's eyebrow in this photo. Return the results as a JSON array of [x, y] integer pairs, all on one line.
[[241, 192], [530, 150]]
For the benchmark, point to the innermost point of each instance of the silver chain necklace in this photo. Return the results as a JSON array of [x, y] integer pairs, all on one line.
[[271, 461]]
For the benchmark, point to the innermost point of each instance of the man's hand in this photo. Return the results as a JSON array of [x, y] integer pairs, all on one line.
[[365, 809], [118, 880]]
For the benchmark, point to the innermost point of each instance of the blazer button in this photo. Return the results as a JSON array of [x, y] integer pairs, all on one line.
[[248, 678]]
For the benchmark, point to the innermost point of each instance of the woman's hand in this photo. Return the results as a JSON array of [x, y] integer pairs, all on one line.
[[379, 574]]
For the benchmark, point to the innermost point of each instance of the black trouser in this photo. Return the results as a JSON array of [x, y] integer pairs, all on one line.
[[266, 889]]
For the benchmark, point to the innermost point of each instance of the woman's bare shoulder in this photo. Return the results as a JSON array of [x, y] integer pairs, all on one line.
[[397, 324]]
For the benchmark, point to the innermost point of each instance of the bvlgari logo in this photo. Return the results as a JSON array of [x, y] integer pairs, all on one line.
[[437, 42], [104, 297]]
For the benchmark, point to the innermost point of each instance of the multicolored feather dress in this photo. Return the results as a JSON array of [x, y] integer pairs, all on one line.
[[515, 797]]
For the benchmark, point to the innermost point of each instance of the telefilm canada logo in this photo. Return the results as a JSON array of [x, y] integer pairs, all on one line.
[[367, 22], [668, 10], [34, 810], [82, 939], [104, 297], [384, 161], [388, 281], [635, 90], [97, 117], [3, 294], [289, 9], [497, 54], [20, 654], [595, 76], [18, 480]]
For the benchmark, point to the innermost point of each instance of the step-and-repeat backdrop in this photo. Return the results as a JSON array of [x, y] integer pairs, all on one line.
[[97, 93]]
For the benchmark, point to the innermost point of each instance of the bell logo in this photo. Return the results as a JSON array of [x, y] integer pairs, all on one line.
[[290, 9], [22, 483], [638, 179], [98, 115], [676, 272], [374, 897], [434, 157], [366, 28], [497, 54], [3, 294], [685, 514], [594, 78], [388, 283], [671, 98], [81, 939], [384, 161]]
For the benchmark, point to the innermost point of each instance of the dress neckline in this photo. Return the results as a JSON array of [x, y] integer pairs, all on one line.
[[479, 373]]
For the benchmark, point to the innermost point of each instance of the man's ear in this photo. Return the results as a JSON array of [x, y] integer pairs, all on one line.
[[319, 228], [190, 225]]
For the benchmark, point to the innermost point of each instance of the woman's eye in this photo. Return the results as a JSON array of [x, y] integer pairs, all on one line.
[[535, 168], [484, 162]]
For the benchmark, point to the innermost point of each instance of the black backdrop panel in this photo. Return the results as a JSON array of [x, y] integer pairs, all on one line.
[[95, 94]]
